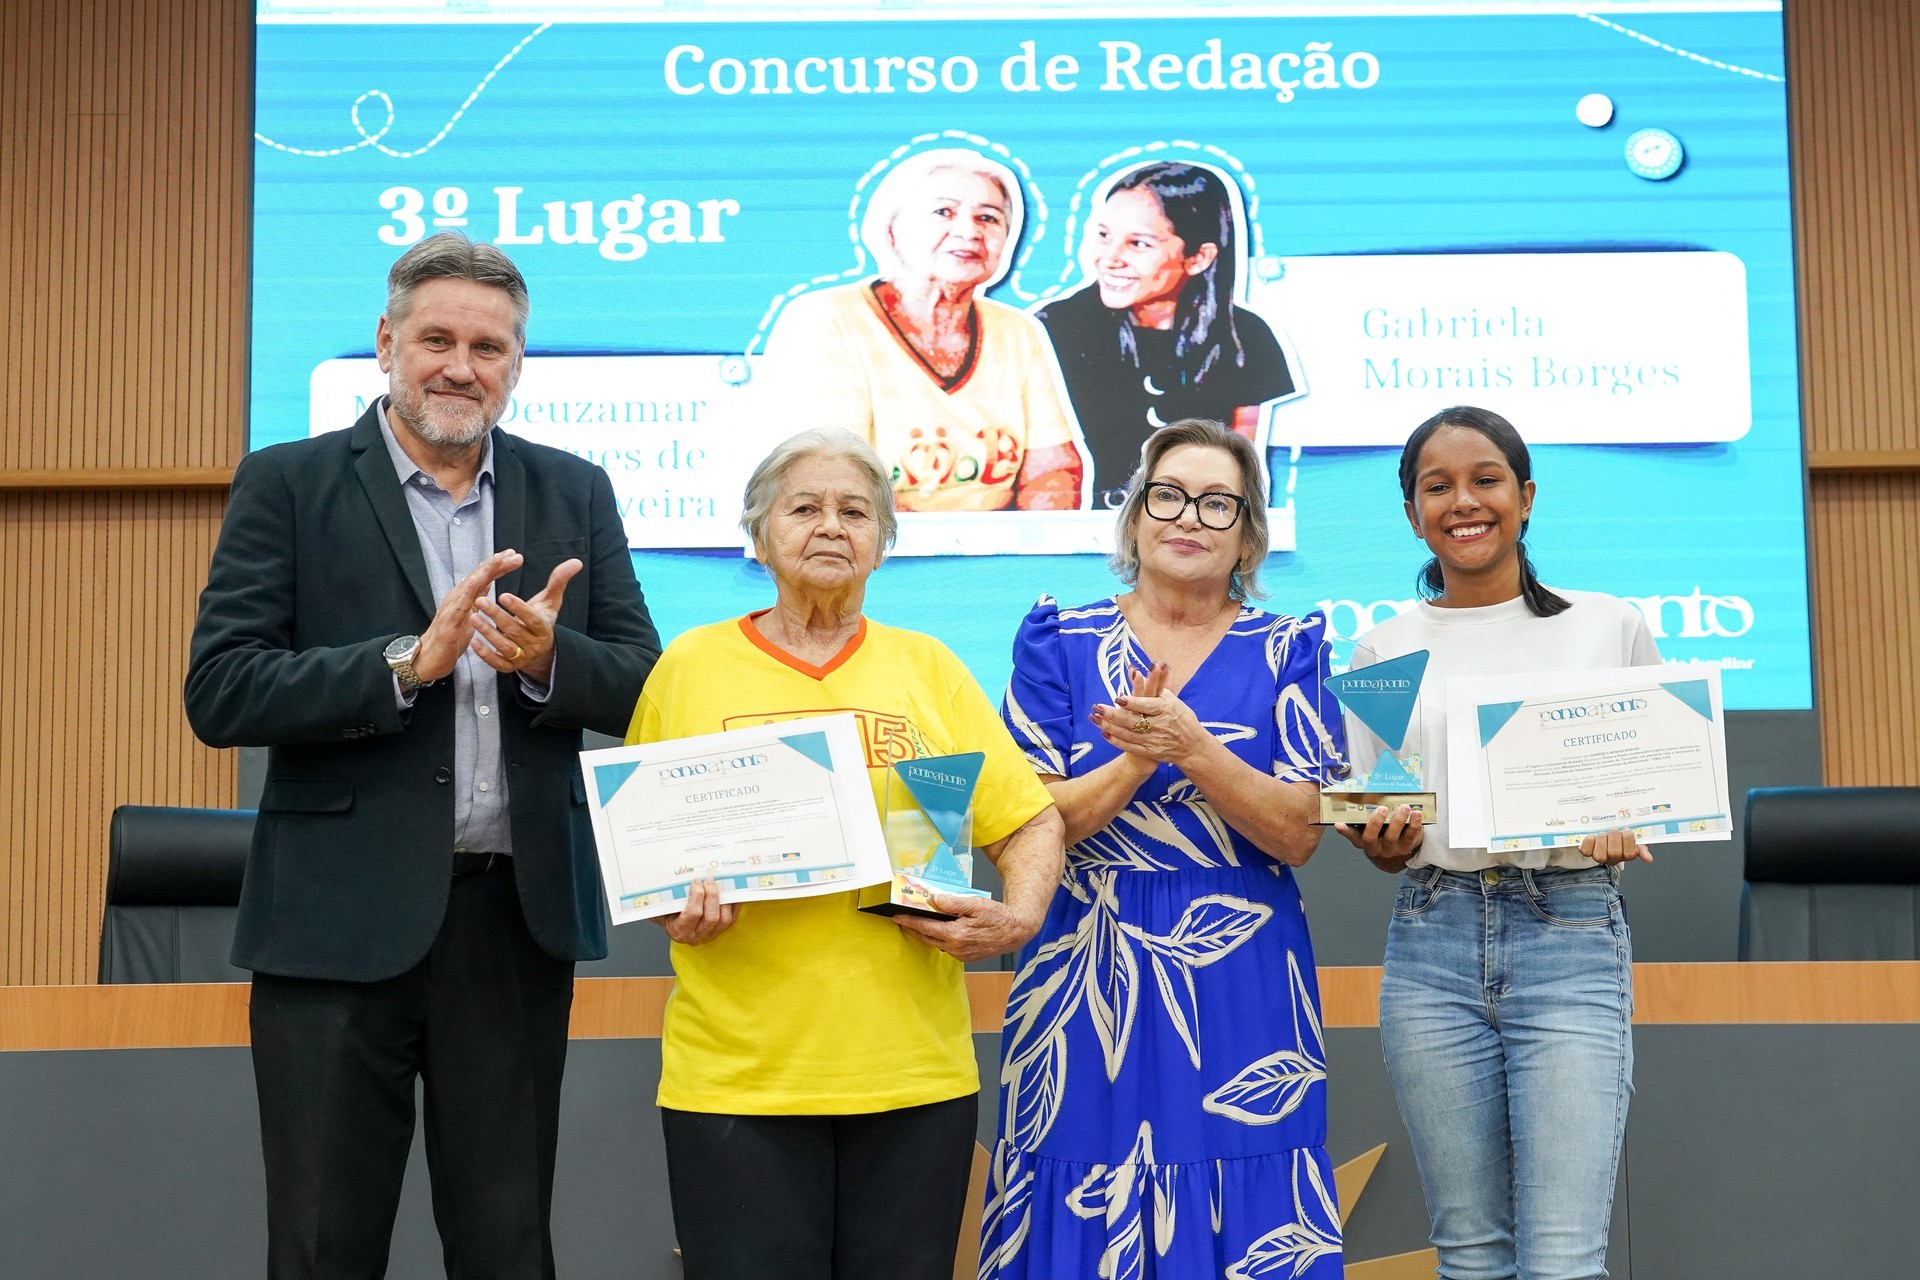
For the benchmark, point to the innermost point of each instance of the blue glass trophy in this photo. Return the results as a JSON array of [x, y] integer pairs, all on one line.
[[927, 818], [1386, 762]]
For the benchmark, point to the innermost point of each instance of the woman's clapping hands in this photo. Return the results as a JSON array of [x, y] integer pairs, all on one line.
[[1151, 725]]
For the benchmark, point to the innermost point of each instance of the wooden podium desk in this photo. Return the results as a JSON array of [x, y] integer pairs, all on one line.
[[204, 1015]]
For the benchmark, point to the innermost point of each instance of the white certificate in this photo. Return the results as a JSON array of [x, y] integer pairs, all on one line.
[[1546, 759], [776, 811]]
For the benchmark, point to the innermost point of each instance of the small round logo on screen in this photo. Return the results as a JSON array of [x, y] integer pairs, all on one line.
[[1654, 154]]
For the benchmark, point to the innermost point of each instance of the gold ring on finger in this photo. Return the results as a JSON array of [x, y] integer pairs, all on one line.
[[517, 651], [1144, 726]]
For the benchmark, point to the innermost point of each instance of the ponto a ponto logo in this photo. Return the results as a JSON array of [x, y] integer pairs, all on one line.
[[1586, 711], [717, 767], [1698, 616]]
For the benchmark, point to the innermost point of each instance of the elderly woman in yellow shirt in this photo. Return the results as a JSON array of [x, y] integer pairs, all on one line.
[[817, 1084], [958, 393]]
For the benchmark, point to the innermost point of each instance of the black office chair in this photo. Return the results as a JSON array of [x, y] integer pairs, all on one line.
[[173, 886], [1833, 873]]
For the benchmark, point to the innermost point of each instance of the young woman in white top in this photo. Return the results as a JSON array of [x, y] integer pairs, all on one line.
[[1508, 985]]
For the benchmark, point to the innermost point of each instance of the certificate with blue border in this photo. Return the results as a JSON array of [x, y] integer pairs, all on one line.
[[775, 811], [1555, 757]]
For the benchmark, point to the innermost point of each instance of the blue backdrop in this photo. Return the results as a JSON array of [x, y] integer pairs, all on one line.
[[1466, 141]]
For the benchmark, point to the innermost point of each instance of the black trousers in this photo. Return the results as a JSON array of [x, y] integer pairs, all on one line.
[[867, 1197], [482, 1021]]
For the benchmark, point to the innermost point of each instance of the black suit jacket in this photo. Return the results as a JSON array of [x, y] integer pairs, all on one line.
[[318, 567]]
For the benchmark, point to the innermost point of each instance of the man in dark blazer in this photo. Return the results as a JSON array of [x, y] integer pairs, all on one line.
[[417, 616]]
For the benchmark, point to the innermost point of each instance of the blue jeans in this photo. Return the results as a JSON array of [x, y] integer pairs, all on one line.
[[1504, 1014]]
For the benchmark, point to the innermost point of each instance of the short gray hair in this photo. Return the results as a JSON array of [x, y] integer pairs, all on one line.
[[449, 255], [893, 191], [1245, 581], [763, 486]]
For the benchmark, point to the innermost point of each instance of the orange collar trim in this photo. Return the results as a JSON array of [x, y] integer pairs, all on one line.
[[780, 655]]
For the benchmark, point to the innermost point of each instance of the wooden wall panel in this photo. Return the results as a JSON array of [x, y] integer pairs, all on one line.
[[1854, 95], [125, 161], [1866, 571], [125, 172], [104, 586]]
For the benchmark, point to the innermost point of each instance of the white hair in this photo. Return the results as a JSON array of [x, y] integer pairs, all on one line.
[[900, 183], [763, 486]]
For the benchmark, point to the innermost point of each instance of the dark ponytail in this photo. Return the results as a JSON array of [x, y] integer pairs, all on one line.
[[1430, 582]]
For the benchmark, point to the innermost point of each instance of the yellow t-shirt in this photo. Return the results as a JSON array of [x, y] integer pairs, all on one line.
[[809, 1006], [953, 445]]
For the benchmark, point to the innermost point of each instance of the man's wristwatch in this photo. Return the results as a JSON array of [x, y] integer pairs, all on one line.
[[400, 655]]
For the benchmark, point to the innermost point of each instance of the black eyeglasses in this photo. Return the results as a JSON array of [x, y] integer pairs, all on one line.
[[1215, 510]]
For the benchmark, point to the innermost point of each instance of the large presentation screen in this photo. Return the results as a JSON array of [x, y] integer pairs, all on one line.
[[1005, 242]]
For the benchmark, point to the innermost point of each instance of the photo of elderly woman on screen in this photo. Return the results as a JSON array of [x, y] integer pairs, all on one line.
[[956, 392], [1155, 336]]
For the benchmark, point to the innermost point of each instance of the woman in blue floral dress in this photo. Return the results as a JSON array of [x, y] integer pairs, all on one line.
[[1163, 1095]]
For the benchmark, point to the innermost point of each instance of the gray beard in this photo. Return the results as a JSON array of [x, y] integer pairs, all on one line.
[[415, 416]]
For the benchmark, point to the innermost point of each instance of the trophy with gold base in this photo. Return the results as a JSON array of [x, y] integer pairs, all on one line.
[[1380, 698], [927, 819]]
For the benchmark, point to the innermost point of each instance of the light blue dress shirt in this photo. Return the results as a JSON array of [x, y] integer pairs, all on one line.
[[454, 538]]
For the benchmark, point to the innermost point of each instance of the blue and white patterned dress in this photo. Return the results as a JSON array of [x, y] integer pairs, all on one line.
[[1163, 1076]]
